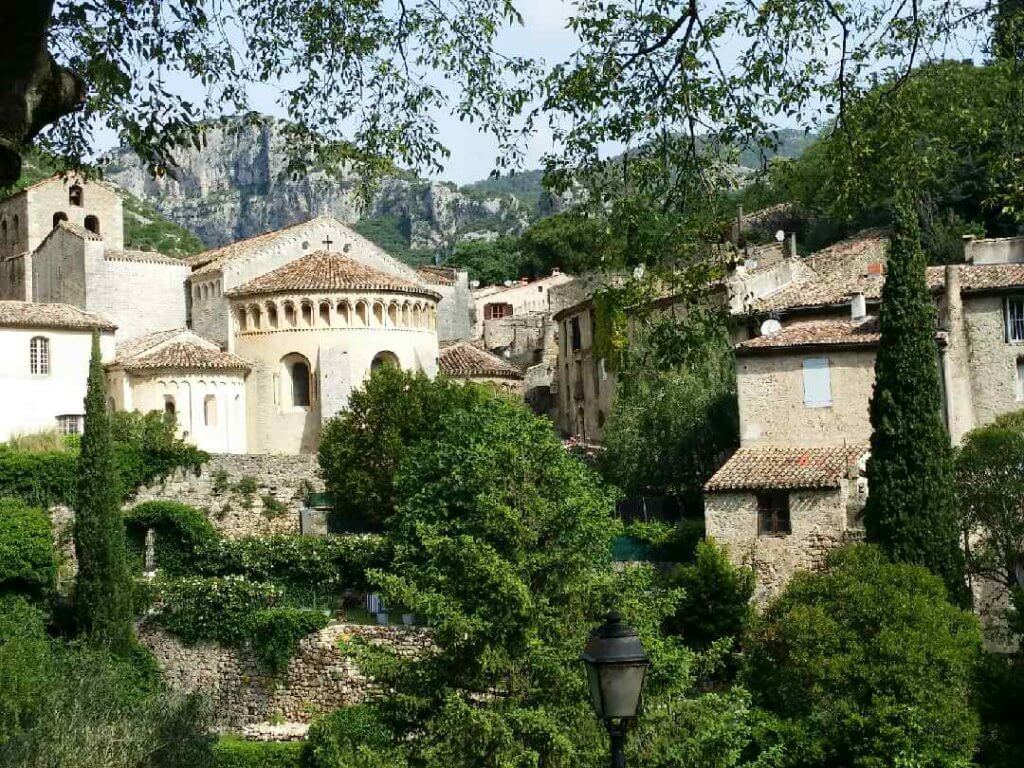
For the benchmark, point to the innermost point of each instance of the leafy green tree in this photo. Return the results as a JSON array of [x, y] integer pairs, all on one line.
[[103, 590], [502, 541], [867, 664], [910, 511], [716, 602], [492, 262], [362, 447], [990, 498], [572, 241]]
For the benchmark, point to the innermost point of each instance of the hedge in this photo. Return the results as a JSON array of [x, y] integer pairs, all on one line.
[[349, 736], [183, 534], [28, 562], [309, 569], [145, 449], [231, 752], [237, 612]]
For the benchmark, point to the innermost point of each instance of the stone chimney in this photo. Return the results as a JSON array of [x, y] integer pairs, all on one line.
[[968, 255], [858, 306], [790, 249]]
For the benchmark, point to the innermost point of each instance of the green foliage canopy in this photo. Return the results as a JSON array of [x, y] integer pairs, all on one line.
[[867, 665], [28, 562]]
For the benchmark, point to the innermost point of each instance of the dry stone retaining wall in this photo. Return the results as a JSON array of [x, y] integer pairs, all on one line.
[[319, 678], [287, 478]]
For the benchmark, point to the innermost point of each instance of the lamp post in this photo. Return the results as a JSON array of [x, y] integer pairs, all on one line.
[[616, 668]]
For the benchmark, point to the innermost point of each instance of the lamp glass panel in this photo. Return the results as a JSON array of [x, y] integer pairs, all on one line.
[[621, 685], [594, 683]]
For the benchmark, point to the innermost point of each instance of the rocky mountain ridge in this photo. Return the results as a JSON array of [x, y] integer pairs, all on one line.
[[237, 185]]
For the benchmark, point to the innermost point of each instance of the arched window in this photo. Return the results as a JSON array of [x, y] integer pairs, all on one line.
[[240, 319], [92, 224], [296, 380], [39, 356], [256, 317], [325, 313], [361, 313], [75, 195], [16, 234], [289, 314], [406, 314], [58, 217], [392, 314], [378, 314], [3, 231], [170, 409], [344, 313], [307, 314], [210, 411], [385, 358], [272, 315]]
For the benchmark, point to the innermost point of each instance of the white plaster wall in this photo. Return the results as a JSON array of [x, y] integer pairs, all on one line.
[[340, 356], [770, 389], [228, 432], [139, 297], [1001, 250], [33, 403]]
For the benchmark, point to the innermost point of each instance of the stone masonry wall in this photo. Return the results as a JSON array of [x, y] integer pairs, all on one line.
[[319, 678], [821, 521], [286, 478]]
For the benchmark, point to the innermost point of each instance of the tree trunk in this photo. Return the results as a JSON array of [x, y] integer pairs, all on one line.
[[34, 90]]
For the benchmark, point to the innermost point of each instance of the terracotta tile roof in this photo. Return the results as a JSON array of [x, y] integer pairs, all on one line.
[[816, 333], [78, 229], [836, 272], [178, 349], [28, 314], [212, 260], [149, 257], [987, 277], [464, 360], [777, 467], [327, 271], [437, 275]]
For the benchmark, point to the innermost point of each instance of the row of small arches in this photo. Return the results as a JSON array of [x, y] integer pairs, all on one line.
[[325, 314], [206, 290]]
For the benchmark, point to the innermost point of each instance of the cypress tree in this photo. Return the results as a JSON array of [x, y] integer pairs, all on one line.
[[103, 586], [910, 510]]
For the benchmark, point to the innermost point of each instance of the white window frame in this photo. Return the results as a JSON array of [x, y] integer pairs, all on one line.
[[70, 423], [1020, 379], [1014, 313], [39, 356], [817, 379]]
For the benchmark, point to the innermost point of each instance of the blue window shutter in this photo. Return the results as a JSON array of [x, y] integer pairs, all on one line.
[[817, 382]]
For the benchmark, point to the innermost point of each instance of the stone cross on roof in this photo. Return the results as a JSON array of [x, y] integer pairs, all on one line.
[[328, 242]]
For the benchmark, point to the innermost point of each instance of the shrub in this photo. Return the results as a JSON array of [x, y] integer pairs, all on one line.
[[352, 737], [197, 608], [308, 568], [246, 487], [230, 752], [276, 632], [867, 664], [28, 562], [24, 659], [361, 448], [667, 542], [42, 479], [146, 448], [237, 612], [272, 507], [717, 599], [183, 534]]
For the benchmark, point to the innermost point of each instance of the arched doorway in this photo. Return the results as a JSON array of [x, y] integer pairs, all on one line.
[[382, 359]]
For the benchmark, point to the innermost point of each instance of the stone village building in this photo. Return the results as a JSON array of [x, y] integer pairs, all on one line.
[[251, 345], [796, 486]]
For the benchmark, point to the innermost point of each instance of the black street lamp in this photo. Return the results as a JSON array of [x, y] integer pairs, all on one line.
[[616, 668]]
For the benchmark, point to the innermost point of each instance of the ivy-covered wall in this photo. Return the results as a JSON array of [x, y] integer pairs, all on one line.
[[244, 494], [319, 678]]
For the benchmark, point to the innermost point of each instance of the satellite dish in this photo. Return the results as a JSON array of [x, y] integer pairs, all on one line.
[[780, 236], [638, 273], [507, 283], [474, 284], [770, 327]]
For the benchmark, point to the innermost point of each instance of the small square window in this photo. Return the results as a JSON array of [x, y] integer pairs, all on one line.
[[773, 514]]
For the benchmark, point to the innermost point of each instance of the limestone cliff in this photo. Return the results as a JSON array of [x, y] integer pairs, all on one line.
[[237, 185]]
